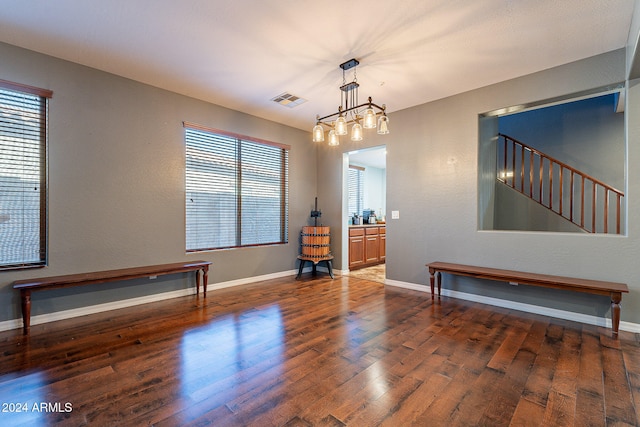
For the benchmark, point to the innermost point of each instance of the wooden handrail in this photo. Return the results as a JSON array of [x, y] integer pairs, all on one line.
[[548, 187]]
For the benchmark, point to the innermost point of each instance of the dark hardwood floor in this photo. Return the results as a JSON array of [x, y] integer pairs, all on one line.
[[318, 352]]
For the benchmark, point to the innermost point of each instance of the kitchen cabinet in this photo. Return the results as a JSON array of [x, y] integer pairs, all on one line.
[[367, 245], [356, 247], [371, 245]]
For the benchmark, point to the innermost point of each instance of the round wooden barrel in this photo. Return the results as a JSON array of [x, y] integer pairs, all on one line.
[[316, 241]]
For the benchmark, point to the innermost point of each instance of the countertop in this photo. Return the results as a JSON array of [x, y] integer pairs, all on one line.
[[368, 225]]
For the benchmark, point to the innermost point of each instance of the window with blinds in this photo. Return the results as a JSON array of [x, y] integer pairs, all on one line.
[[236, 190], [355, 182], [23, 175]]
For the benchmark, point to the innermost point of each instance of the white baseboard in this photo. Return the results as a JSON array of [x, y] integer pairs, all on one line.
[[248, 280], [528, 308], [98, 308]]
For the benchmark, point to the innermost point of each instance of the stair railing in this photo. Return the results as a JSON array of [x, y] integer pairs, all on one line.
[[592, 204]]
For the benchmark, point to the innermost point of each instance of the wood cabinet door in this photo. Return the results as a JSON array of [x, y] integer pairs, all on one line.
[[356, 251], [371, 252], [383, 247]]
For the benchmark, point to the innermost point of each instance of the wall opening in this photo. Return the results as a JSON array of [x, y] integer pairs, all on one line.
[[559, 166]]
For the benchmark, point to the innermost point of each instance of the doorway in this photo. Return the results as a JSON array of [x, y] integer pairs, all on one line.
[[364, 194]]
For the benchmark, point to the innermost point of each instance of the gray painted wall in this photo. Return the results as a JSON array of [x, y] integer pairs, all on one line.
[[116, 183], [633, 53], [432, 179]]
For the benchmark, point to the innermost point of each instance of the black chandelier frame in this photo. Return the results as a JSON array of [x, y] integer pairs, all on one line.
[[349, 95]]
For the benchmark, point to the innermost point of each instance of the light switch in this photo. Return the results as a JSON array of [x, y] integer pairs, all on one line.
[[395, 214]]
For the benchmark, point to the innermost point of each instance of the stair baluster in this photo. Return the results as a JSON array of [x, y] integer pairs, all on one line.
[[513, 156]]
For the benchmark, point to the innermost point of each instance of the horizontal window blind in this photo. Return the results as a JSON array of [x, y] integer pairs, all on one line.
[[23, 175], [236, 191], [355, 181]]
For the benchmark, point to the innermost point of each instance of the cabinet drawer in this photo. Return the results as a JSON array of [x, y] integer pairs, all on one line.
[[356, 232], [371, 230]]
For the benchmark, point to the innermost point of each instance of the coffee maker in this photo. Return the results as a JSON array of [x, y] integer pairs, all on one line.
[[368, 216]]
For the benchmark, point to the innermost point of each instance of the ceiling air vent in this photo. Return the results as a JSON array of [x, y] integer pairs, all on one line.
[[288, 100]]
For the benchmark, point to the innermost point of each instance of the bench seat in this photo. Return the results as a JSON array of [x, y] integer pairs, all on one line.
[[27, 286], [598, 287]]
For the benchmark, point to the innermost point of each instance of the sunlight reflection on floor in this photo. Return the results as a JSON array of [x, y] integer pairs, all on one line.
[[213, 356]]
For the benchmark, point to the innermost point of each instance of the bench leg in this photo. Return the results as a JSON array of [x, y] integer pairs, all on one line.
[[616, 297], [202, 275], [433, 277], [205, 280], [26, 311], [432, 281]]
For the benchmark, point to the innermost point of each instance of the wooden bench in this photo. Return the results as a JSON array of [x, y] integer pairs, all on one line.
[[55, 282], [597, 287]]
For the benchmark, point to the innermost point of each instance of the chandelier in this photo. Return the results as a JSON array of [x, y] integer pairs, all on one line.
[[363, 116]]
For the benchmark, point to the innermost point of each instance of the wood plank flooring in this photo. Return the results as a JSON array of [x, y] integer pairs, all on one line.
[[318, 352]]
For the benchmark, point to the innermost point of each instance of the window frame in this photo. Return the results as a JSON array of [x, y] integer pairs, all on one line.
[[43, 146], [283, 188]]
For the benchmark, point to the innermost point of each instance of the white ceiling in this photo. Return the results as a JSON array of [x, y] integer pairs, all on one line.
[[242, 53]]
